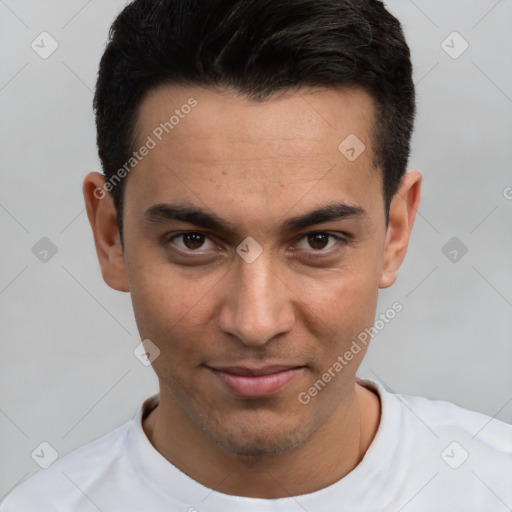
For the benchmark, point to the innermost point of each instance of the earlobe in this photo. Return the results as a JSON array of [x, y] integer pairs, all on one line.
[[387, 279], [103, 220], [402, 213]]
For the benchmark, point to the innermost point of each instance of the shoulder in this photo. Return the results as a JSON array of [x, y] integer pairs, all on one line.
[[459, 458], [470, 452], [439, 417], [55, 488], [447, 418]]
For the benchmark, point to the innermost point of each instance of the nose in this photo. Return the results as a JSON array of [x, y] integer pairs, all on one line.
[[258, 304]]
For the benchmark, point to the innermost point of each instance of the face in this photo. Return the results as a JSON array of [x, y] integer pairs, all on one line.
[[251, 279]]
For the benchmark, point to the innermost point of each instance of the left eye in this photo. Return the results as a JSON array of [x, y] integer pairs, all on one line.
[[319, 240]]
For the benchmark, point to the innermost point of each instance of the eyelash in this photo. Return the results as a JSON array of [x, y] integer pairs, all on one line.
[[317, 253]]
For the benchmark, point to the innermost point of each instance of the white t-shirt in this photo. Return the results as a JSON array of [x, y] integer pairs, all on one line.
[[427, 456]]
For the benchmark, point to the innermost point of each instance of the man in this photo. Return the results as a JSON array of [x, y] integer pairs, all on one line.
[[254, 200]]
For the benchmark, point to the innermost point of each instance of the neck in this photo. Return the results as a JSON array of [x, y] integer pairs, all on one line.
[[334, 449]]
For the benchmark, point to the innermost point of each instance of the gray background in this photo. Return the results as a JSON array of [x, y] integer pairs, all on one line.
[[67, 372]]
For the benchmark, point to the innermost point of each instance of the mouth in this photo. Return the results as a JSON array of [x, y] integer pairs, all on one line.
[[256, 382]]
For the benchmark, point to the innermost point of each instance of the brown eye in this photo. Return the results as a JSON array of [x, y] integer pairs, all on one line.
[[318, 240], [193, 240], [190, 241]]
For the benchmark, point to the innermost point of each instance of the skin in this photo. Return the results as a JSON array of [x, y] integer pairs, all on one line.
[[256, 164]]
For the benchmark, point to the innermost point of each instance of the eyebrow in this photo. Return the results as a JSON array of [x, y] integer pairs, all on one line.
[[163, 212]]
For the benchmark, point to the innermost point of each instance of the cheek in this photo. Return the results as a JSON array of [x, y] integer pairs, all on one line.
[[170, 305], [165, 314], [343, 301]]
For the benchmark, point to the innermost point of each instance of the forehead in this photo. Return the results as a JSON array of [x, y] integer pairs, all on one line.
[[207, 142], [305, 119]]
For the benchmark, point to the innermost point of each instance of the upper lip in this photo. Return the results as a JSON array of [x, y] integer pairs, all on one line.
[[254, 371]]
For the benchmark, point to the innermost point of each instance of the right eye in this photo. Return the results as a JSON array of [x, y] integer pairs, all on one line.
[[191, 241]]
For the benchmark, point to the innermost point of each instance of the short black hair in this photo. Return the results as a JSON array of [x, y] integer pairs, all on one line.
[[258, 48]]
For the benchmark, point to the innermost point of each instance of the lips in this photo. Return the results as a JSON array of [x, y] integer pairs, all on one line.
[[256, 381], [255, 372]]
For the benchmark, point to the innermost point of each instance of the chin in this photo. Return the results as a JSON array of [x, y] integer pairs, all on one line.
[[254, 441]]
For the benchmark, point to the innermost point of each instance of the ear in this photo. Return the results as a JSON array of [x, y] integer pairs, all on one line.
[[102, 217], [402, 213]]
